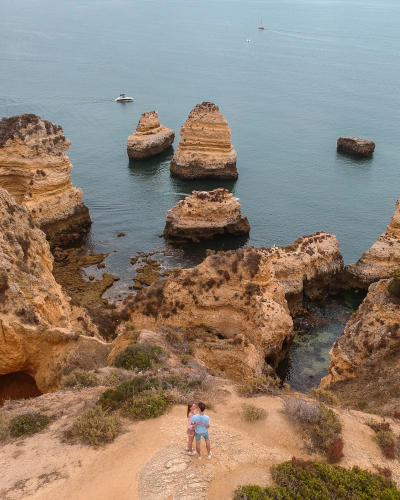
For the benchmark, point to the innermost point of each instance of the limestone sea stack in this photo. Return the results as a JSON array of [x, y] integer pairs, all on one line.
[[380, 260], [205, 149], [205, 215], [355, 146], [36, 332], [36, 171], [150, 137]]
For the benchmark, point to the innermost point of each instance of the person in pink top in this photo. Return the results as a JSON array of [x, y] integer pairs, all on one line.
[[191, 412]]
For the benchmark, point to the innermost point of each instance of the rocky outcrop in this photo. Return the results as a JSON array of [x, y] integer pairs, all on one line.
[[232, 308], [36, 335], [205, 149], [204, 215], [150, 137], [380, 260], [370, 343], [355, 146], [36, 171]]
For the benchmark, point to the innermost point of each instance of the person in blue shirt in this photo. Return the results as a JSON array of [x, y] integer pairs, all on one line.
[[201, 424]]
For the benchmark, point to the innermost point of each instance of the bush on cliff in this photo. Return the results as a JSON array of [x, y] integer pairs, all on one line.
[[139, 356], [252, 413], [78, 379], [324, 396], [258, 385], [28, 424], [394, 285], [151, 404], [96, 427], [298, 479]]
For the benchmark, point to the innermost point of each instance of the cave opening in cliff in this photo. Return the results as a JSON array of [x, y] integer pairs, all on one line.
[[17, 385]]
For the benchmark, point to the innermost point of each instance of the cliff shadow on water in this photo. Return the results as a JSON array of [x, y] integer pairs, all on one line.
[[308, 358]]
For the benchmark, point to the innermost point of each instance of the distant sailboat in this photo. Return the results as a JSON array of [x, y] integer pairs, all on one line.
[[261, 26]]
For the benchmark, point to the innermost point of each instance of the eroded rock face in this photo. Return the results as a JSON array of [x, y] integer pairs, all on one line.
[[204, 215], [380, 260], [205, 149], [36, 171], [371, 339], [36, 335], [233, 305], [150, 137], [355, 146]]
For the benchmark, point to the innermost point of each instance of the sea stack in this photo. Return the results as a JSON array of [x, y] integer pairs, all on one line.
[[36, 171], [380, 260], [355, 146], [150, 137], [205, 215], [205, 149]]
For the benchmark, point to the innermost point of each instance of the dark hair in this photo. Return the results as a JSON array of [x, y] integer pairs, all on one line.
[[202, 407], [189, 408]]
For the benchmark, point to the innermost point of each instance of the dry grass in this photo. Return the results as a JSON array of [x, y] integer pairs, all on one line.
[[96, 427], [253, 413], [300, 411], [5, 428], [259, 385], [324, 396], [113, 378], [78, 379]]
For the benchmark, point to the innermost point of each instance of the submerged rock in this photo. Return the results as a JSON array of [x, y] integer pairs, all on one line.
[[205, 149], [380, 260], [234, 307], [150, 137], [355, 146], [36, 171], [37, 323], [204, 215]]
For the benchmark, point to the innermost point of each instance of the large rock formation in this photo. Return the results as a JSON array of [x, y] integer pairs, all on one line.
[[204, 215], [36, 334], [380, 260], [355, 146], [233, 305], [150, 137], [370, 343], [36, 171], [205, 149]]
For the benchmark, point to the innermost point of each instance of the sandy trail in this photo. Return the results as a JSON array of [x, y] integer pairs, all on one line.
[[148, 461]]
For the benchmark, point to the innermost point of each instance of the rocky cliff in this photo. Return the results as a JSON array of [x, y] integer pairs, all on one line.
[[36, 334], [380, 260], [370, 343], [150, 137], [204, 215], [232, 308], [36, 171], [205, 149]]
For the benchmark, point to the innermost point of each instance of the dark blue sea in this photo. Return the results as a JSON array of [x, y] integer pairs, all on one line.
[[319, 70]]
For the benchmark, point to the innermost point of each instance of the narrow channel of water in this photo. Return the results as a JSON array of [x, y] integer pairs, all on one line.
[[308, 359]]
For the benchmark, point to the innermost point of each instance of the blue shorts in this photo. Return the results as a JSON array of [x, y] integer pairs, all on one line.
[[200, 435]]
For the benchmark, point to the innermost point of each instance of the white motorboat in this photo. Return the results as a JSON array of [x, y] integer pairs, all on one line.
[[123, 98]]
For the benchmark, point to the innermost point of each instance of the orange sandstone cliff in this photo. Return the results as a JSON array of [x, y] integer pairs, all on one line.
[[205, 149], [204, 215], [36, 322], [233, 308], [36, 171]]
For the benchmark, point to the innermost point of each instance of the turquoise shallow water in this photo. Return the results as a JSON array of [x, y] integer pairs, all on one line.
[[321, 69]]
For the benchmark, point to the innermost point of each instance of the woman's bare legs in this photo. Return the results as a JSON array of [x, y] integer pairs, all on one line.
[[190, 443]]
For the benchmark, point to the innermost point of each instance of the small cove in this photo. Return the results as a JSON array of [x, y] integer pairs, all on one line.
[[308, 358]]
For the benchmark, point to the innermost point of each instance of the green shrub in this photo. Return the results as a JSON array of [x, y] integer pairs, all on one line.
[[78, 379], [253, 413], [95, 426], [299, 480], [113, 378], [324, 396], [139, 356], [149, 405], [387, 443], [394, 285], [29, 424], [362, 405], [328, 428]]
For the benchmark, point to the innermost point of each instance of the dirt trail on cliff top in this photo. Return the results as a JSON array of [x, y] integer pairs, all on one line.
[[148, 460]]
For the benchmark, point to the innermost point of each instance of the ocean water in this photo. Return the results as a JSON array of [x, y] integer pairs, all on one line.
[[321, 69]]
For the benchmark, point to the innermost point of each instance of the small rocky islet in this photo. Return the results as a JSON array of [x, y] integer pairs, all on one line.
[[236, 307]]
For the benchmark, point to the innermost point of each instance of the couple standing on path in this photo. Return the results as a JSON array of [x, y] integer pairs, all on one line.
[[197, 426]]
